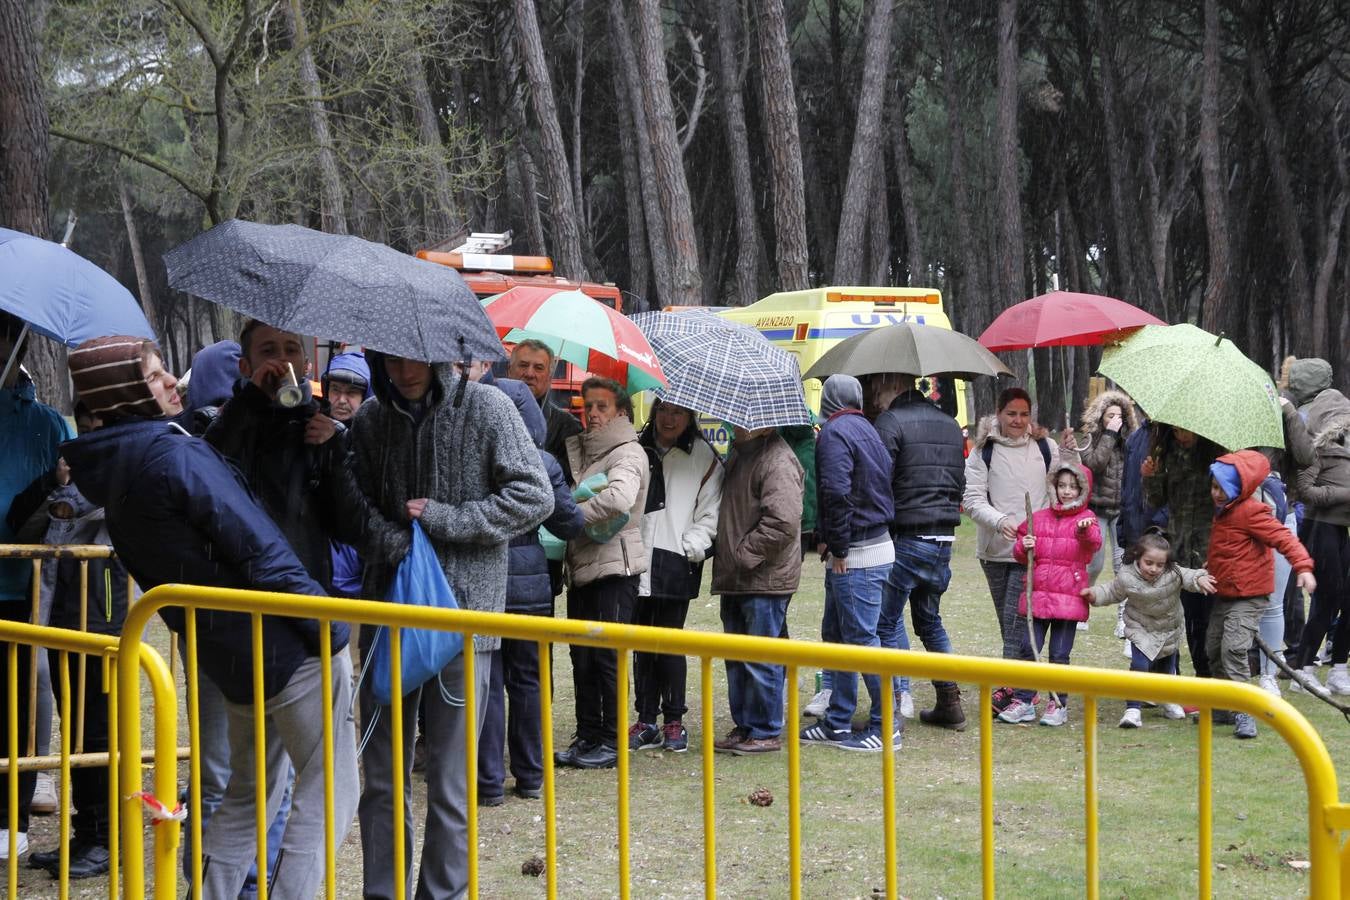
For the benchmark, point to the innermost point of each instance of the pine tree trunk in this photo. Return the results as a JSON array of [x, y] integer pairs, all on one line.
[[879, 229], [909, 203], [332, 202], [1216, 312], [738, 149], [444, 215], [1121, 253], [672, 186], [785, 148], [1011, 273], [639, 260], [630, 98], [867, 145], [137, 257], [562, 205]]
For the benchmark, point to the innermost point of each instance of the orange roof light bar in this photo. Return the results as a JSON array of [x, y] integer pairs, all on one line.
[[489, 262], [841, 297]]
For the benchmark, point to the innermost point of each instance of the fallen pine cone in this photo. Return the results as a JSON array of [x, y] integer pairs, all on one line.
[[533, 866], [761, 797]]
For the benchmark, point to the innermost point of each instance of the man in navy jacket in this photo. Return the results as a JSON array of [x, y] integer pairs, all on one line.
[[853, 517], [178, 512]]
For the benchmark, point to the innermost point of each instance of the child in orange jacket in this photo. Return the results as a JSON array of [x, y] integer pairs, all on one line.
[[1242, 566]]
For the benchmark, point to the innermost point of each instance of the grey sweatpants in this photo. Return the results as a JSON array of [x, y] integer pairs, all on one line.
[[294, 728], [444, 872]]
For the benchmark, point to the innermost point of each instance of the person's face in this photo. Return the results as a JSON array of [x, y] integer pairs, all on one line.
[[1217, 494], [671, 421], [1113, 414], [533, 367], [411, 378], [161, 384], [1015, 418], [1066, 488], [1151, 564], [1184, 438], [344, 400], [267, 344], [601, 408], [474, 371]]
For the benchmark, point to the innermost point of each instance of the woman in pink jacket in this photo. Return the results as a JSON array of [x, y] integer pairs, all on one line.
[[1065, 538]]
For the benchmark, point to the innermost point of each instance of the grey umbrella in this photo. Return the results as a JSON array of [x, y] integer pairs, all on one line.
[[911, 349], [336, 287]]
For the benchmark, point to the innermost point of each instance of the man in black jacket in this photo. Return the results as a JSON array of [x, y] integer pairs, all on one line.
[[928, 477]]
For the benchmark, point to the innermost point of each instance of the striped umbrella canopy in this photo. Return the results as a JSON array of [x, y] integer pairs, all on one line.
[[726, 370], [579, 329]]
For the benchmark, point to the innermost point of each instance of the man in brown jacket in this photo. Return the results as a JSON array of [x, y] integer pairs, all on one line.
[[756, 567]]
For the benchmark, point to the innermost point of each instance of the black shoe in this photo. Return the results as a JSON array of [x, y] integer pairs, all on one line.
[[86, 861], [491, 799], [569, 756], [528, 793], [599, 756], [46, 859]]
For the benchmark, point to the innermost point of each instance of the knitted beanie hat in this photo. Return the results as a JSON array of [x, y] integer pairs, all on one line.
[[108, 378]]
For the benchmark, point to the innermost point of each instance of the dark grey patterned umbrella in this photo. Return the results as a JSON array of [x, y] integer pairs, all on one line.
[[336, 287]]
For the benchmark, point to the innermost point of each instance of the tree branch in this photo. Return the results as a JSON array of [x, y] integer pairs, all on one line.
[[144, 159]]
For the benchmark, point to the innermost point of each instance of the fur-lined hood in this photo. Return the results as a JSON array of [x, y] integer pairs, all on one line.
[[987, 430], [1329, 421], [1092, 416], [1084, 478]]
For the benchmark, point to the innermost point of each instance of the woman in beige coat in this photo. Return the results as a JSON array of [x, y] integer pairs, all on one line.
[[603, 563]]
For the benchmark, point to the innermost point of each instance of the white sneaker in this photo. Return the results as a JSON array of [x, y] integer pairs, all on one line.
[[1269, 684], [1081, 626], [1055, 714], [1305, 682], [21, 849], [906, 704], [1173, 711], [44, 795], [819, 703], [1338, 682], [1018, 711], [1131, 718]]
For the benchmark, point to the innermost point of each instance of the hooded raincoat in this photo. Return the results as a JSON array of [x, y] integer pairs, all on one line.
[[1245, 531], [1063, 551]]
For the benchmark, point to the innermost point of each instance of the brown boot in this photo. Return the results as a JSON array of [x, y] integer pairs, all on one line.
[[947, 711]]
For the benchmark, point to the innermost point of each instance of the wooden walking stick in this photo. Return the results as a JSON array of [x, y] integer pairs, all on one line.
[[1031, 584]]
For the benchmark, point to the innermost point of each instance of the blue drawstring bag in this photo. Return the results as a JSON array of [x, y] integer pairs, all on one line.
[[419, 581]]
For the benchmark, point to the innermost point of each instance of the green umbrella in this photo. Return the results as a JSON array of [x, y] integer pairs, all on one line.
[[911, 349], [1187, 377]]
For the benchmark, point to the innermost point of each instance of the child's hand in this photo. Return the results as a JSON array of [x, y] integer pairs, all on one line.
[[1307, 581], [1149, 467], [1029, 541], [1086, 594], [1086, 522], [1206, 584]]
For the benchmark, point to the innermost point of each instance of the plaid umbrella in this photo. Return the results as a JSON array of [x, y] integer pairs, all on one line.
[[337, 287], [726, 370]]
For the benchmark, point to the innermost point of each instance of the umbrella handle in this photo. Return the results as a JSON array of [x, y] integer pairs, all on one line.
[[14, 354]]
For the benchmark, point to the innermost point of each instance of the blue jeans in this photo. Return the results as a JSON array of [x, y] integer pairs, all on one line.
[[852, 607], [755, 690], [1061, 632], [920, 575]]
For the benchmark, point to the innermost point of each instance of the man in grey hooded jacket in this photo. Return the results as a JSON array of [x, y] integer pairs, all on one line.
[[456, 456]]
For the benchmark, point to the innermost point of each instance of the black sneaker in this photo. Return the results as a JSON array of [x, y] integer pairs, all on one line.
[[598, 756], [675, 738], [492, 800], [642, 736], [569, 756], [525, 792], [820, 734]]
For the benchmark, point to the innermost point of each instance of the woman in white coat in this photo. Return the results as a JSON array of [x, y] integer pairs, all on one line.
[[1008, 460], [678, 529]]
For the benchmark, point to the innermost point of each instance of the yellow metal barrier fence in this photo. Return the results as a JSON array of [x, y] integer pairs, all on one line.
[[1327, 817]]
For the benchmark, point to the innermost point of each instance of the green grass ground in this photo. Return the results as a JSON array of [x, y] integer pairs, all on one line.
[[1147, 797]]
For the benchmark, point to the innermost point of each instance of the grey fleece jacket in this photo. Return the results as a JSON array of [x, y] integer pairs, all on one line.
[[479, 470]]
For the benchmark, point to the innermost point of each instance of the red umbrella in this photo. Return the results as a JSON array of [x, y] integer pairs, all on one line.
[[1063, 319]]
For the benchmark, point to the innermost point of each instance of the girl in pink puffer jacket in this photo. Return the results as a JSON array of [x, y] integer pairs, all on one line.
[[1066, 537]]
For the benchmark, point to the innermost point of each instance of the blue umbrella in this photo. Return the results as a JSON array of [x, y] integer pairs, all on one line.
[[62, 295]]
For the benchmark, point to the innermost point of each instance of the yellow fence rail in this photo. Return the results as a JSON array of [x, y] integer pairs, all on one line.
[[1327, 817]]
